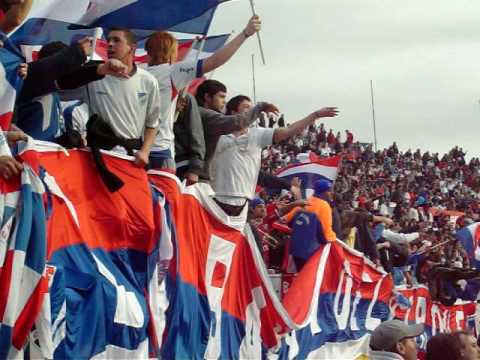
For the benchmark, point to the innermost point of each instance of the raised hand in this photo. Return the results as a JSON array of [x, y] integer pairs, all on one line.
[[23, 70], [254, 25], [86, 46], [113, 67], [326, 112]]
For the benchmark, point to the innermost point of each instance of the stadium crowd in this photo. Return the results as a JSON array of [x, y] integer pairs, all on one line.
[[399, 208]]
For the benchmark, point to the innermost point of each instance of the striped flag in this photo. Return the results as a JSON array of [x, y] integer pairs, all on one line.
[[469, 237], [22, 259], [311, 169], [10, 81], [66, 20]]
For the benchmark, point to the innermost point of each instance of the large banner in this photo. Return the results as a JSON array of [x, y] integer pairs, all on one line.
[[338, 298], [157, 269], [221, 301], [437, 318]]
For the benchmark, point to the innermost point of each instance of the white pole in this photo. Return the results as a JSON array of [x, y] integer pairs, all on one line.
[[252, 5], [373, 116], [253, 80], [97, 34]]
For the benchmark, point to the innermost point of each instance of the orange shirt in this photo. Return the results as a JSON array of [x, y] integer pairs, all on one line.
[[323, 211]]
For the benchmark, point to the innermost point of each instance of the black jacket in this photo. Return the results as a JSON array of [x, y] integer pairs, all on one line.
[[189, 137]]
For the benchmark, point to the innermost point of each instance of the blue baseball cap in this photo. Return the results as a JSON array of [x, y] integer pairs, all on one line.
[[321, 186], [255, 202]]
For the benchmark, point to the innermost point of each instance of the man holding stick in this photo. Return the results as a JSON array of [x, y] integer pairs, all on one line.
[[173, 78]]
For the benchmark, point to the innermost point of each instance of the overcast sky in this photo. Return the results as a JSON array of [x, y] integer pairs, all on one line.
[[423, 57]]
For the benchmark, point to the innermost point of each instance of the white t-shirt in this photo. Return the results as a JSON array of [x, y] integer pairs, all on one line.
[[171, 79], [236, 163], [128, 105]]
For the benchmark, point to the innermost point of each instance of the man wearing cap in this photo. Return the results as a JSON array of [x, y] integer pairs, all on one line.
[[394, 339], [319, 204], [312, 224]]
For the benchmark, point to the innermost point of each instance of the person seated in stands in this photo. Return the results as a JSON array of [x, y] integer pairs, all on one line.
[[393, 339], [125, 111], [444, 346], [12, 13], [172, 78], [468, 345], [312, 224]]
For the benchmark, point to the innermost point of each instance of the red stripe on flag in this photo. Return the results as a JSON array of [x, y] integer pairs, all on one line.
[[5, 280], [183, 50], [29, 314], [477, 236], [6, 120]]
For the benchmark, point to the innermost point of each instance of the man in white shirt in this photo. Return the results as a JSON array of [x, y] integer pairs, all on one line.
[[236, 162], [129, 104], [174, 77]]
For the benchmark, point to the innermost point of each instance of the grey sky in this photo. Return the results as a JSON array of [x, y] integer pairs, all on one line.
[[421, 55]]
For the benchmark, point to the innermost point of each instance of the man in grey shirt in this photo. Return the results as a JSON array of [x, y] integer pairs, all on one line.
[[211, 97]]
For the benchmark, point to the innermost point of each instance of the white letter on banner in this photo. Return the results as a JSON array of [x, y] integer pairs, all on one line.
[[220, 255], [446, 320], [407, 313], [459, 316], [342, 317], [421, 310], [435, 311], [370, 322], [128, 310], [353, 317], [251, 345]]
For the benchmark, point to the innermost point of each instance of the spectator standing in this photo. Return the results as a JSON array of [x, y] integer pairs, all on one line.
[[174, 77]]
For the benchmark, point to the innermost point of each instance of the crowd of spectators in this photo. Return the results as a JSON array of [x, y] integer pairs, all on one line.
[[400, 208]]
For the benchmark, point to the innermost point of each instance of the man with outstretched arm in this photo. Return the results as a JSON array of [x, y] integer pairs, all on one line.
[[236, 162]]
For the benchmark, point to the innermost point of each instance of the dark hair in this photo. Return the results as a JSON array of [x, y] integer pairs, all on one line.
[[129, 35], [51, 49], [234, 103], [444, 346], [210, 87]]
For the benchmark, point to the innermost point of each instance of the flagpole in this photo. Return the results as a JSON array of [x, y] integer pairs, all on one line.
[[373, 116], [253, 79], [252, 5]]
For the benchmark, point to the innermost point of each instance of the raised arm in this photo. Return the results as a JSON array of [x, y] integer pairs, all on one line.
[[15, 15], [296, 128], [224, 54], [220, 124]]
